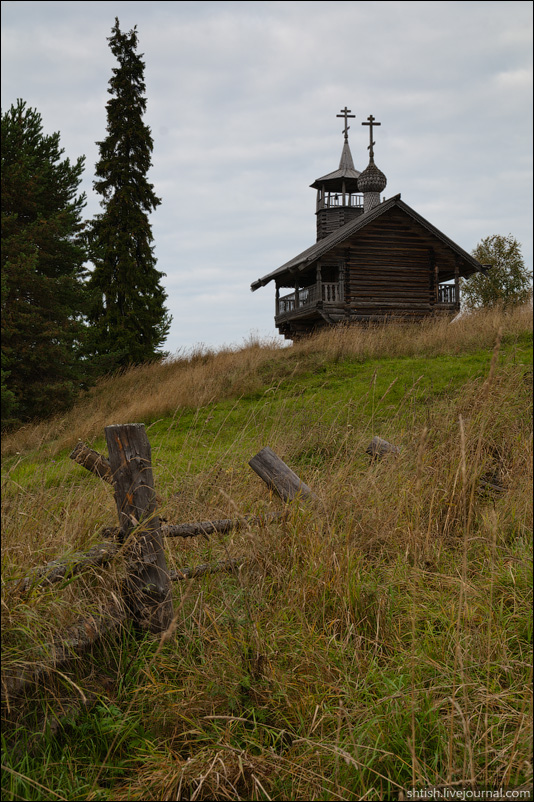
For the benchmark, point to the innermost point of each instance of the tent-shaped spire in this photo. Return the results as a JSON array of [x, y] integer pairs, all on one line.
[[333, 182], [345, 178], [346, 163]]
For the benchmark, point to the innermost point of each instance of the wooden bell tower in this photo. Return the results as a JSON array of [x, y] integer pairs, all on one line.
[[338, 198]]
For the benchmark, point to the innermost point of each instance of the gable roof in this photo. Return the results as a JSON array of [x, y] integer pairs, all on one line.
[[303, 260]]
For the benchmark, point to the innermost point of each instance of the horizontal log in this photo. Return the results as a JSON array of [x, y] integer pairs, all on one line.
[[386, 305], [86, 631], [278, 476], [222, 525], [93, 461], [77, 639], [207, 568], [390, 287], [101, 554], [408, 275], [404, 270], [390, 290], [73, 564]]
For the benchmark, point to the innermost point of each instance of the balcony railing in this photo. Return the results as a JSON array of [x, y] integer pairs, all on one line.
[[329, 292], [308, 296], [331, 199], [447, 294]]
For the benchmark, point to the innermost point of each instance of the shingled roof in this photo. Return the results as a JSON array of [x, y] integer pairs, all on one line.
[[306, 258], [346, 174]]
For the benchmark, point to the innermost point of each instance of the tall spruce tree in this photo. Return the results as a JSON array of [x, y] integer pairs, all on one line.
[[128, 318], [43, 292]]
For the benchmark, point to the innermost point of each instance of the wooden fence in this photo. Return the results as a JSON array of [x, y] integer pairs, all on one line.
[[139, 537]]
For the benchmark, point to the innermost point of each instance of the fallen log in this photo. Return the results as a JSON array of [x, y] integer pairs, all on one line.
[[207, 568], [222, 525], [103, 553], [87, 631], [65, 567], [93, 461], [77, 639], [279, 477]]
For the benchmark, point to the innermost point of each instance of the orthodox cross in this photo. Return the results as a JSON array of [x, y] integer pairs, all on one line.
[[371, 143], [346, 114]]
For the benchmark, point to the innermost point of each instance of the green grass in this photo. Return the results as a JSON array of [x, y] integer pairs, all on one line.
[[378, 640], [369, 392]]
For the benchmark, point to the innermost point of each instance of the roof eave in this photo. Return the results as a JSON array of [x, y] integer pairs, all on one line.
[[307, 257]]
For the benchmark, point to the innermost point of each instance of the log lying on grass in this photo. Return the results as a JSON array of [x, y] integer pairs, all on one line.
[[222, 525], [75, 641], [207, 568], [103, 553], [73, 564], [87, 631], [279, 477]]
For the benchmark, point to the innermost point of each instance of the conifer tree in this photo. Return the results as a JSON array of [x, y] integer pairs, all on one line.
[[128, 318], [43, 293]]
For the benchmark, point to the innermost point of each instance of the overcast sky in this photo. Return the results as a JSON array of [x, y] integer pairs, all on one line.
[[242, 104]]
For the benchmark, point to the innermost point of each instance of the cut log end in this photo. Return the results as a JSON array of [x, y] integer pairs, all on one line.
[[92, 461]]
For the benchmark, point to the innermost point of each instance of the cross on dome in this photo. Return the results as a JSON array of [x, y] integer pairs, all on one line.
[[371, 122], [346, 114]]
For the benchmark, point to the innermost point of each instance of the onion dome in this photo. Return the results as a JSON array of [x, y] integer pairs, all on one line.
[[372, 179]]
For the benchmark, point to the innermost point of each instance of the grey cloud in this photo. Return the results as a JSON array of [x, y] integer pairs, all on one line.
[[242, 99]]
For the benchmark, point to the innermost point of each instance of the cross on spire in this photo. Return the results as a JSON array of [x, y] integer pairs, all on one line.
[[371, 122], [346, 114]]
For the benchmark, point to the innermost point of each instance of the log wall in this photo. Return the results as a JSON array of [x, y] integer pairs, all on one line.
[[388, 271], [329, 220]]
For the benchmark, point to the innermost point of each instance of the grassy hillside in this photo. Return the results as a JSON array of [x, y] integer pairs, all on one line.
[[374, 641]]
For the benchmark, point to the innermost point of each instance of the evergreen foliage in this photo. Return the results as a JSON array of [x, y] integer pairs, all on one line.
[[43, 294], [128, 318], [507, 283]]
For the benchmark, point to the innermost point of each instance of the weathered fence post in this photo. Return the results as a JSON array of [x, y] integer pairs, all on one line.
[[279, 476], [148, 588]]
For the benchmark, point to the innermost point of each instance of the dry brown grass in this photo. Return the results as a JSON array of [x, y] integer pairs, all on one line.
[[157, 390], [377, 639]]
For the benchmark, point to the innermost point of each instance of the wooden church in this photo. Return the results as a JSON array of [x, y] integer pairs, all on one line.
[[374, 260]]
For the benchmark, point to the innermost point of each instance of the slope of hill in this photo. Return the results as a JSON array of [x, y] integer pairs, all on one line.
[[375, 641]]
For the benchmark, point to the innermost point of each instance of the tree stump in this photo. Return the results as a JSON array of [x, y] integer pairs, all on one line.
[[148, 587]]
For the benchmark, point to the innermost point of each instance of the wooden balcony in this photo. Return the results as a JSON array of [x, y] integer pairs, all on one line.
[[448, 299], [306, 303], [328, 292], [330, 200], [447, 294]]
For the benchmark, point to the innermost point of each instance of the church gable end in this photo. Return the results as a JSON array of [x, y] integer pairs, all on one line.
[[388, 269]]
